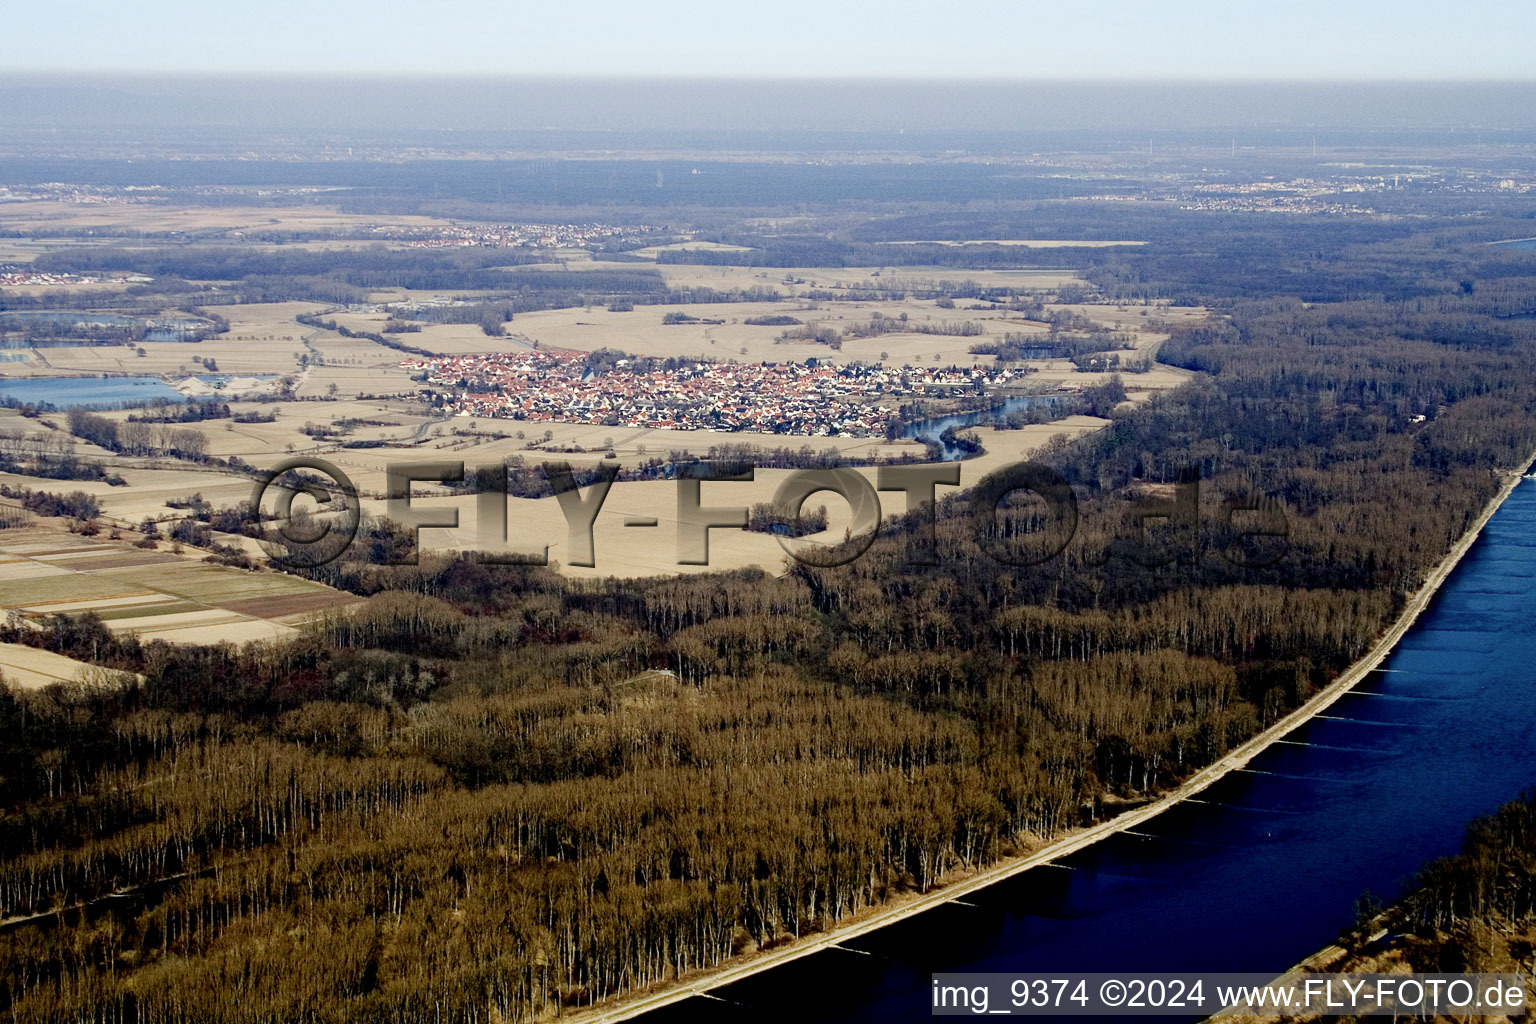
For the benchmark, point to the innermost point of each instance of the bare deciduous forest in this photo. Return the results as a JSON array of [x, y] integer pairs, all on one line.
[[493, 791]]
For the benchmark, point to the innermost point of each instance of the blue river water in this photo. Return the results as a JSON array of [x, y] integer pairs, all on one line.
[[932, 430], [1264, 868], [159, 328], [90, 392], [105, 392]]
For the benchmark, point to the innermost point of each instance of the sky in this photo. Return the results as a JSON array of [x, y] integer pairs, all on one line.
[[988, 39]]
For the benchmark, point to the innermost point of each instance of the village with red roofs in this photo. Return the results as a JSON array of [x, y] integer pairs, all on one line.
[[805, 398]]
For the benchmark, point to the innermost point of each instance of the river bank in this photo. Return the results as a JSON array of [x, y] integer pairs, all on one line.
[[957, 886]]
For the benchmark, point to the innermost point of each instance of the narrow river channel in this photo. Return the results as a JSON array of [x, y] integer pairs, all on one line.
[[1263, 868]]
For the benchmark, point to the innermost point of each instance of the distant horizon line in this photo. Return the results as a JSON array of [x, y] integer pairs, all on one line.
[[14, 74]]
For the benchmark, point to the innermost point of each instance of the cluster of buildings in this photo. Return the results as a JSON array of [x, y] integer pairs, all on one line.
[[810, 398], [1299, 195], [1340, 194], [69, 192], [13, 277], [19, 274], [408, 306], [1276, 204], [543, 236]]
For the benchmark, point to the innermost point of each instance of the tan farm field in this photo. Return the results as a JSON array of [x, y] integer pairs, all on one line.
[[156, 594], [32, 669], [628, 550]]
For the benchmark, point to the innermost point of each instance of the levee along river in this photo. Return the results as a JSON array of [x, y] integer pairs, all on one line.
[[1262, 869]]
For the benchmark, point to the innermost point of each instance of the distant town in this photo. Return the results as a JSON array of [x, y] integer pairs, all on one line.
[[809, 398], [543, 236]]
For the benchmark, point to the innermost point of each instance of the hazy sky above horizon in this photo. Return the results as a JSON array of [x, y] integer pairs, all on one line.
[[1171, 39]]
